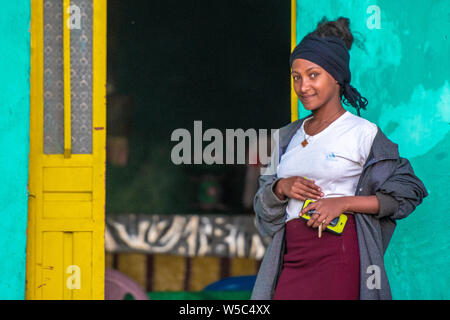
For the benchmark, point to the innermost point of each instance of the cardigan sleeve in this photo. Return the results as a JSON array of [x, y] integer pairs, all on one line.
[[270, 211], [401, 193], [388, 204]]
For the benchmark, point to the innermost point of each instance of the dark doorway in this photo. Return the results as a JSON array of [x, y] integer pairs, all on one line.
[[225, 63]]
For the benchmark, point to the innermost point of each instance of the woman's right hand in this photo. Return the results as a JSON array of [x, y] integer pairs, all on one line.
[[297, 188]]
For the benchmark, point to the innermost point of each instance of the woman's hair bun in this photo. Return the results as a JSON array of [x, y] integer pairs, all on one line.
[[339, 28]]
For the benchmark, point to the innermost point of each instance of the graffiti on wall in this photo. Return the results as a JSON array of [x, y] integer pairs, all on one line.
[[186, 235]]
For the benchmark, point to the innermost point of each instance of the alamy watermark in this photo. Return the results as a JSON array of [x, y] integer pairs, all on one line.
[[74, 20], [374, 280], [74, 280], [374, 21], [235, 146]]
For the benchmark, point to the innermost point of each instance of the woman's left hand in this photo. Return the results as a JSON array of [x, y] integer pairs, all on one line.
[[327, 210]]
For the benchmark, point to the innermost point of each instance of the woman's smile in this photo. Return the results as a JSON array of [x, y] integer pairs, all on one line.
[[308, 98]]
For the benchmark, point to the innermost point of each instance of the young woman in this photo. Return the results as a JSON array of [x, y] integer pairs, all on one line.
[[343, 163]]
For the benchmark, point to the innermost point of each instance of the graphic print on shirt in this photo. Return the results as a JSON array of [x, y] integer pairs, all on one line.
[[331, 157]]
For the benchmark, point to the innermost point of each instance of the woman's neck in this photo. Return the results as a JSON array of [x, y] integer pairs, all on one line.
[[326, 111]]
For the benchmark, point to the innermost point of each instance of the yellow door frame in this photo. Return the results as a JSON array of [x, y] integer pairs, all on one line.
[[294, 99], [66, 207]]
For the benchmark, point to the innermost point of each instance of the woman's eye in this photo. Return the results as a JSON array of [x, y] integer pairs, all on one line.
[[296, 78], [314, 75]]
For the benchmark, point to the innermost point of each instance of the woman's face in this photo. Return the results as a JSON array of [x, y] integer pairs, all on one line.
[[313, 85]]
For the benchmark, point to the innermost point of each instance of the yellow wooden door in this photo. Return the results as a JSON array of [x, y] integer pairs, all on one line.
[[65, 236]]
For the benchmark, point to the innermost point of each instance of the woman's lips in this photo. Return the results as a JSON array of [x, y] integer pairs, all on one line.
[[307, 98]]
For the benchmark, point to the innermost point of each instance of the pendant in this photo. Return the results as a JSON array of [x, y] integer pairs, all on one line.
[[304, 143]]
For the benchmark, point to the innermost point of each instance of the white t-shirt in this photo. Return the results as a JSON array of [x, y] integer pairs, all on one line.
[[334, 158]]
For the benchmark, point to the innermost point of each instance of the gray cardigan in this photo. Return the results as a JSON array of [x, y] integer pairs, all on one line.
[[385, 174]]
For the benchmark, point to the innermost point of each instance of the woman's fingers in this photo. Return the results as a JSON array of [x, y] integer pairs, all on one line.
[[306, 191], [318, 222], [302, 189], [311, 193], [310, 187], [300, 194], [310, 184], [312, 220], [325, 224]]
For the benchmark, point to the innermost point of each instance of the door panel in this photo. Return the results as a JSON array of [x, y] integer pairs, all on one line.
[[65, 236]]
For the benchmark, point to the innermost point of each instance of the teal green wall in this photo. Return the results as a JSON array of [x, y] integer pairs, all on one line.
[[14, 144], [403, 70]]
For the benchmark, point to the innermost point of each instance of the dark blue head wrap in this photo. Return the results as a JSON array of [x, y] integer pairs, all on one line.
[[332, 55]]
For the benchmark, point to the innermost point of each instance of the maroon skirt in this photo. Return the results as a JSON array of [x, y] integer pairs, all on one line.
[[314, 268]]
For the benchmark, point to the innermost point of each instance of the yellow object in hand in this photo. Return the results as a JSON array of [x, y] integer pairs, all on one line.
[[336, 226]]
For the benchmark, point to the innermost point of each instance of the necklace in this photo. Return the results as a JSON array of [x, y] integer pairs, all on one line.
[[305, 141]]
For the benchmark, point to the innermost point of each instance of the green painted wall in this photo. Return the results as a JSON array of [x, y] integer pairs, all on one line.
[[403, 69], [14, 143]]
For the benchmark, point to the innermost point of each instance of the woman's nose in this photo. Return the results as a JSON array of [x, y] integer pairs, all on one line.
[[305, 87]]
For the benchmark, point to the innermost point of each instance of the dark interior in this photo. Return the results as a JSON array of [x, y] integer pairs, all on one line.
[[225, 63]]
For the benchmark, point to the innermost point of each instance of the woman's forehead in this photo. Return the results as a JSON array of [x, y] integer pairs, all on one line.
[[302, 65]]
